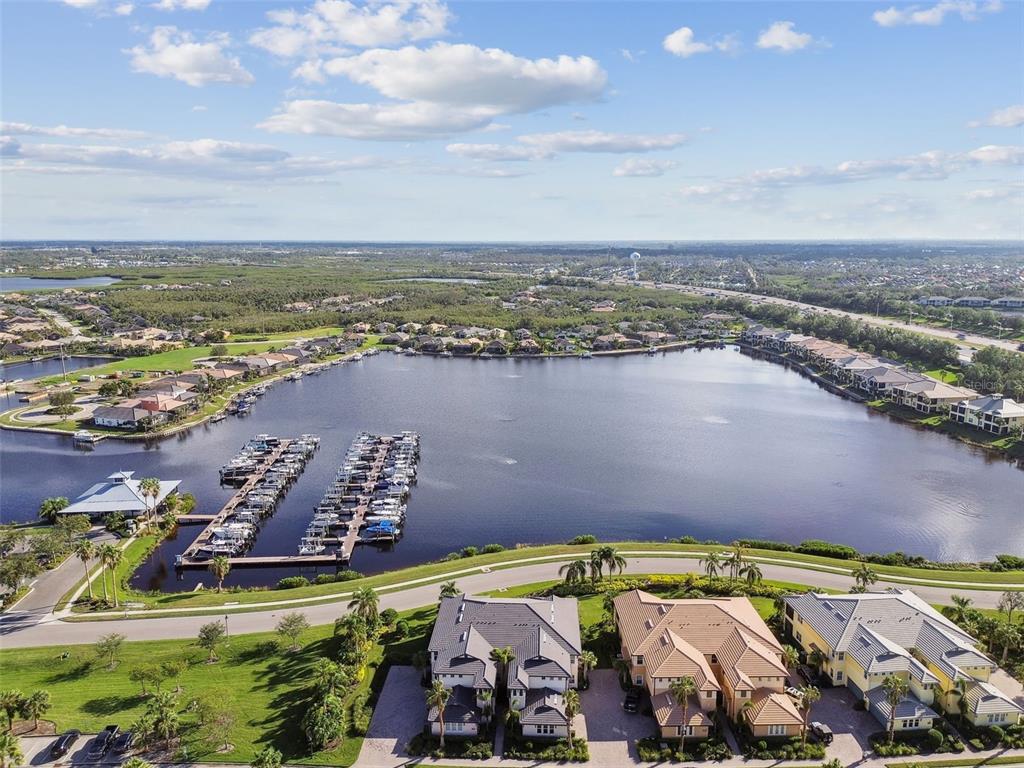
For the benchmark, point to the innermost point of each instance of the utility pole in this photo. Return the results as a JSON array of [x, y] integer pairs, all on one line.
[[63, 364]]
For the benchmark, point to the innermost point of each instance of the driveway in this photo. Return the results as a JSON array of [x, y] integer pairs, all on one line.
[[50, 586], [399, 715], [611, 731], [852, 727]]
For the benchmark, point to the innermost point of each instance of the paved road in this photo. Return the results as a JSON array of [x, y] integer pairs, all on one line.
[[971, 339], [19, 629], [51, 586]]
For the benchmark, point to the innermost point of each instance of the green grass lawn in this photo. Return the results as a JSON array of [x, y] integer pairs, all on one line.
[[947, 375], [967, 761], [262, 686], [305, 333]]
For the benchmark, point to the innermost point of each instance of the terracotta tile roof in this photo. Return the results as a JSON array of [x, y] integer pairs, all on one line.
[[773, 709], [743, 658], [672, 656], [668, 713]]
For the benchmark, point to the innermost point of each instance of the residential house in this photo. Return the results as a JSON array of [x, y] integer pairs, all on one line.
[[991, 413], [395, 338], [466, 345], [1008, 302], [125, 416], [528, 347], [519, 334], [929, 395], [609, 341], [497, 347], [935, 301], [880, 379], [865, 638], [544, 635], [723, 645], [972, 301]]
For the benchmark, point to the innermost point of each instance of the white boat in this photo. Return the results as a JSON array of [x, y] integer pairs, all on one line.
[[85, 436], [311, 545], [357, 356]]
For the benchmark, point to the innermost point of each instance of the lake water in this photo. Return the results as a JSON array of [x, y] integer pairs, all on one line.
[[12, 284], [48, 367], [712, 444], [459, 280]]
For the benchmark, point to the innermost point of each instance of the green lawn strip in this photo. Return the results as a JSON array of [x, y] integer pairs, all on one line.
[[264, 687], [438, 570], [976, 761], [305, 333]]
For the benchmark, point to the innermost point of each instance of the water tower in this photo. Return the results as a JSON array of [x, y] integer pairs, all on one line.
[[636, 262]]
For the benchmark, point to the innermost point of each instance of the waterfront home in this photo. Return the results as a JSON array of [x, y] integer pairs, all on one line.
[[844, 369], [562, 345], [432, 345], [972, 301], [935, 301], [124, 416], [471, 332], [384, 327], [724, 645], [120, 492], [520, 334], [929, 395], [864, 638], [880, 379], [434, 328], [497, 347], [991, 413], [466, 346], [609, 341], [544, 635], [360, 328], [410, 328], [1008, 302], [528, 347], [395, 338], [655, 337]]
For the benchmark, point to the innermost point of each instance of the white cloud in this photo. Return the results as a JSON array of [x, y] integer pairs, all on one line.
[[992, 195], [933, 16], [202, 158], [124, 9], [782, 36], [328, 26], [199, 108], [181, 5], [464, 75], [681, 43], [631, 56], [497, 152], [764, 185], [1008, 117], [172, 53], [81, 3], [600, 141], [382, 122], [643, 166], [102, 7], [439, 91], [27, 129]]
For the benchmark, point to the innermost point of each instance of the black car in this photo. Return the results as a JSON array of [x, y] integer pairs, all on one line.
[[632, 701], [807, 673], [124, 743], [64, 743], [102, 742], [822, 732]]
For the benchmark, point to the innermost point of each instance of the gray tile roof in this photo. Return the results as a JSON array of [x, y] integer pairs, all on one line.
[[985, 699], [461, 707], [909, 707], [544, 706], [948, 652], [876, 654]]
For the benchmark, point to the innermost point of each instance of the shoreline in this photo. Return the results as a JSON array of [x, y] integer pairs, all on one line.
[[892, 412]]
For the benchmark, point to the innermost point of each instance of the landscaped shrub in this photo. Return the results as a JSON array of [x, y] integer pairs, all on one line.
[[827, 549], [472, 749], [520, 749], [585, 538], [935, 738], [491, 549], [650, 750], [291, 582], [778, 546]]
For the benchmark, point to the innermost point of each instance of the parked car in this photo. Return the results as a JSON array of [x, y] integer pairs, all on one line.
[[632, 701], [821, 732], [124, 743], [102, 742], [796, 693], [64, 743], [807, 673]]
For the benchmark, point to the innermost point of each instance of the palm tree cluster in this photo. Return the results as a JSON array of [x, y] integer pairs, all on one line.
[[999, 635], [603, 558], [32, 707]]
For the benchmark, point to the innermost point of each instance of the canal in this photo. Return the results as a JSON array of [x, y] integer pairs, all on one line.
[[711, 444], [12, 284]]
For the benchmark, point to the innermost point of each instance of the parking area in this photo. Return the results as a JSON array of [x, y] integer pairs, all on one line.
[[852, 727], [37, 752], [398, 716], [611, 731]]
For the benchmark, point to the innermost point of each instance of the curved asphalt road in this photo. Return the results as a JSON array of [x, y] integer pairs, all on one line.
[[23, 630]]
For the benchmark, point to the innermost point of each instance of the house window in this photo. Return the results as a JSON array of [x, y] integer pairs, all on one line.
[[997, 718], [914, 723], [687, 728], [776, 730], [714, 658], [454, 727], [839, 675], [546, 730], [743, 694], [639, 661], [639, 680]]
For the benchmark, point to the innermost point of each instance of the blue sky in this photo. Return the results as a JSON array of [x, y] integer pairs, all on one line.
[[403, 120]]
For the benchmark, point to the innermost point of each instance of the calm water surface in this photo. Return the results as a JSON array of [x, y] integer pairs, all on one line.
[[48, 367], [12, 284], [712, 444]]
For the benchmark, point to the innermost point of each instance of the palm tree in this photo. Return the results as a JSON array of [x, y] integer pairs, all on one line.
[[959, 610], [712, 564], [811, 694], [10, 750], [864, 577], [790, 656], [736, 561], [164, 710], [503, 657], [437, 696], [751, 571], [1009, 636], [448, 589], [896, 689], [364, 602], [622, 667], [596, 566], [11, 703], [37, 705], [681, 690], [149, 487], [50, 507], [487, 704], [220, 567], [587, 662], [85, 551], [957, 692], [611, 557], [574, 572], [571, 701], [111, 557], [817, 659]]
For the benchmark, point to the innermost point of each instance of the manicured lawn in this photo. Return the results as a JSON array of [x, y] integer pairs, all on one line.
[[438, 571], [968, 761], [946, 375], [306, 333], [263, 687]]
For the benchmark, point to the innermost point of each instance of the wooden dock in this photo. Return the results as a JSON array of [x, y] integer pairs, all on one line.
[[189, 558], [271, 561], [195, 519]]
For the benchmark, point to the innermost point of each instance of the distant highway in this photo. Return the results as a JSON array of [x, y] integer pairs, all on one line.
[[970, 339]]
